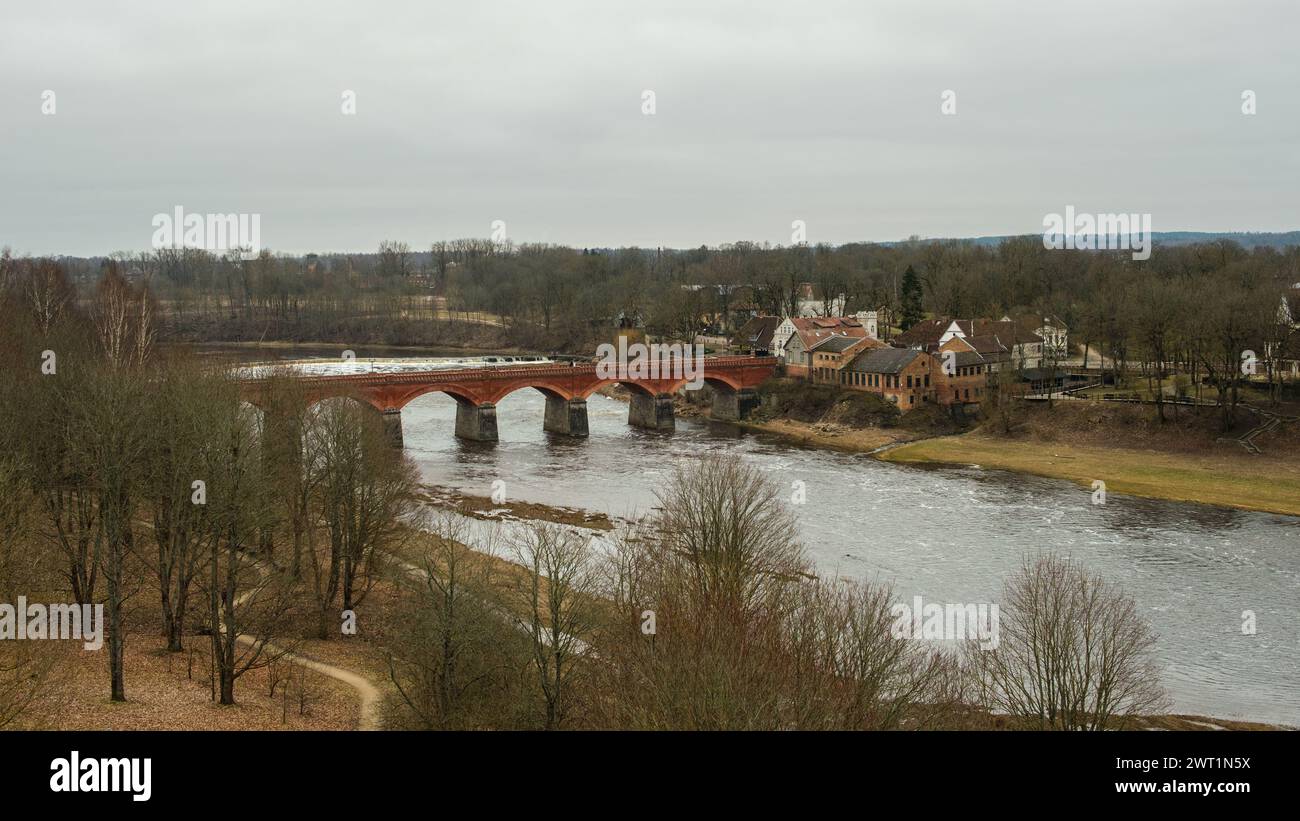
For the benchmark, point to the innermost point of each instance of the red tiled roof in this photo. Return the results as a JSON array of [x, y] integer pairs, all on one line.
[[812, 330], [926, 333]]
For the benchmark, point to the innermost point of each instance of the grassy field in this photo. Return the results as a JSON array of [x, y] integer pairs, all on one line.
[[1240, 481]]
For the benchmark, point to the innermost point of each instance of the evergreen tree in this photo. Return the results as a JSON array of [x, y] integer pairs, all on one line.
[[911, 298]]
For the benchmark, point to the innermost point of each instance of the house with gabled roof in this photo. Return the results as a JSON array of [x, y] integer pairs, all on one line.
[[1001, 341], [808, 332], [1285, 357], [755, 336], [1050, 328], [829, 356], [903, 376]]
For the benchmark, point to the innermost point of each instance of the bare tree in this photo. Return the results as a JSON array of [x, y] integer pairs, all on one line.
[[394, 259], [181, 419], [795, 653], [455, 657], [50, 296], [111, 444], [1073, 654], [125, 319], [26, 667], [245, 600], [366, 489], [726, 521], [560, 613], [293, 456]]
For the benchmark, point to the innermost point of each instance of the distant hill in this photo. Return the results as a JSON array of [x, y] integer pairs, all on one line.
[[1246, 239]]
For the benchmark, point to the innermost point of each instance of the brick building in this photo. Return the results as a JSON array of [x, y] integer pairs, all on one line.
[[808, 332], [832, 354], [904, 376], [962, 375]]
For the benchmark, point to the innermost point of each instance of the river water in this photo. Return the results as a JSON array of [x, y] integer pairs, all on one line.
[[946, 534]]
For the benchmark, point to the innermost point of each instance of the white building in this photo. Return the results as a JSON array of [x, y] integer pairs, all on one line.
[[786, 329], [1054, 333], [781, 336]]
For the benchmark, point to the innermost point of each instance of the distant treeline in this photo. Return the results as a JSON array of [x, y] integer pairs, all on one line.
[[1198, 305], [1278, 240]]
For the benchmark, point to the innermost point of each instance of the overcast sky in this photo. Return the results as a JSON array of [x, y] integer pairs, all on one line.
[[531, 113]]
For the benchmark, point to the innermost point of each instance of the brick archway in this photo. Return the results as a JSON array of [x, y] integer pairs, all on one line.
[[477, 390]]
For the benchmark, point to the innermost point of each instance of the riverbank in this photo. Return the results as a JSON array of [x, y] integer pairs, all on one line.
[[1233, 481], [1182, 464], [831, 437], [1227, 480]]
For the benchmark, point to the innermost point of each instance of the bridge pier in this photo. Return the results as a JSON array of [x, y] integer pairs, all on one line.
[[393, 426], [477, 423], [651, 411], [565, 416], [732, 406]]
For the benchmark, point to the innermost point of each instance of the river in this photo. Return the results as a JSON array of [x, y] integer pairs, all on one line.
[[946, 534]]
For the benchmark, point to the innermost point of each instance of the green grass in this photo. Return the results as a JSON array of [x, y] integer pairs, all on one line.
[[1240, 481]]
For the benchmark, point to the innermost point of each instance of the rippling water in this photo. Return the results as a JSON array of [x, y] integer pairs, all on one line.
[[949, 535]]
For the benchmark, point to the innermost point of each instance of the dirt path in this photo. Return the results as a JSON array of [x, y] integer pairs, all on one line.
[[367, 693]]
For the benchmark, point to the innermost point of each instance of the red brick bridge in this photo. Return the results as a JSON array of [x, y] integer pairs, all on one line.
[[566, 385]]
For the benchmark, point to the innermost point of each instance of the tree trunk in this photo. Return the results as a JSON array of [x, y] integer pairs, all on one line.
[[115, 643]]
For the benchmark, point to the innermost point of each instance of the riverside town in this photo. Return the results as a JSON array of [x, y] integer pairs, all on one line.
[[596, 384]]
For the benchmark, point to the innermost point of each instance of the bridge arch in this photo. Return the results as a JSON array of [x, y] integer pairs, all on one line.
[[636, 387], [548, 388], [392, 400], [657, 387], [722, 381]]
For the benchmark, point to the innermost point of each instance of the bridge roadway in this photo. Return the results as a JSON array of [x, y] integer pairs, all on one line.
[[478, 384]]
